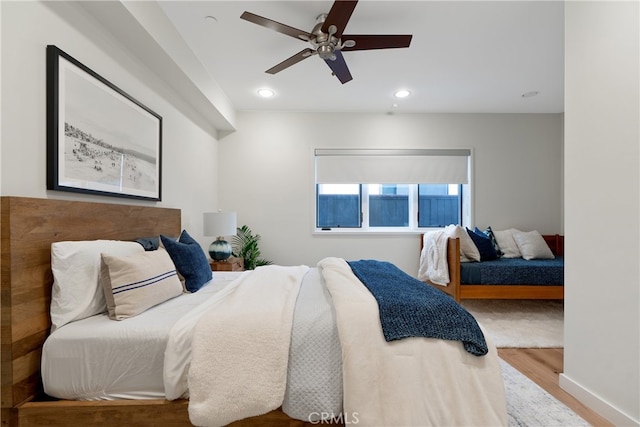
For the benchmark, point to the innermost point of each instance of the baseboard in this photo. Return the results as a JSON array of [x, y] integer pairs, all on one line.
[[603, 408]]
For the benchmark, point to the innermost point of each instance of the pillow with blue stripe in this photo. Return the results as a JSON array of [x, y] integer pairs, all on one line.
[[189, 259], [484, 245], [135, 283]]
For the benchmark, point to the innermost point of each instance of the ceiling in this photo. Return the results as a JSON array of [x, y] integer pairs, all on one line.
[[465, 57]]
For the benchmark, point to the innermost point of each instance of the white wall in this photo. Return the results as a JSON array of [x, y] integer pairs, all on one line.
[[602, 207], [267, 175], [190, 153]]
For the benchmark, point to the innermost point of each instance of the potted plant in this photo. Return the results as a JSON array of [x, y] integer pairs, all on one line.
[[245, 246]]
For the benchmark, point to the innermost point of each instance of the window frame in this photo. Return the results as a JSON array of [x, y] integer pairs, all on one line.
[[467, 207]]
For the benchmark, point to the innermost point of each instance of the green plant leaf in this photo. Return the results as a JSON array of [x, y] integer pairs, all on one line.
[[245, 246]]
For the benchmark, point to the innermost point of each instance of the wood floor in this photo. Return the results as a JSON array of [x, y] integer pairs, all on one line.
[[544, 366]]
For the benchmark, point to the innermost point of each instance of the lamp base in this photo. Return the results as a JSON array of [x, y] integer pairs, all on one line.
[[220, 250]]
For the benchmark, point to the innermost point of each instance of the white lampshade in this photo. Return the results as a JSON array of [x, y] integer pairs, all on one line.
[[219, 223]]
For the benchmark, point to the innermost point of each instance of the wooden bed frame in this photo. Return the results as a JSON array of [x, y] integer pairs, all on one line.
[[28, 227], [470, 291]]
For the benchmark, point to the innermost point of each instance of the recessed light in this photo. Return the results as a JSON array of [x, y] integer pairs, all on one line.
[[266, 92], [530, 94], [210, 18], [402, 93]]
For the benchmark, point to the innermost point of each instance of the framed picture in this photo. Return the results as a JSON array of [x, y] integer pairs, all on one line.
[[99, 139]]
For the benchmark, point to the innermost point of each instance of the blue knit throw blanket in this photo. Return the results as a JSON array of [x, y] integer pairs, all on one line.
[[411, 308]]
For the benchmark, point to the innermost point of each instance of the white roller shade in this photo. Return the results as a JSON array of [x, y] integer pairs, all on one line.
[[448, 166]]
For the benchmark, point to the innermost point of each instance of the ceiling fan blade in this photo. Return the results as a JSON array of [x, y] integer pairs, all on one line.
[[389, 41], [273, 25], [339, 16], [339, 67], [303, 54]]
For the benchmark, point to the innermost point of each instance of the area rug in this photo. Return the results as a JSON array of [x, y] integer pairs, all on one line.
[[529, 405], [520, 323]]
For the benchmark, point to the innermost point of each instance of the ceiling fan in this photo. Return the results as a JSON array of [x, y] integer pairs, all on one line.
[[327, 40]]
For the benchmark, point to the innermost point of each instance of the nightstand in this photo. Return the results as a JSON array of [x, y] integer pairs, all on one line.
[[232, 264], [221, 266]]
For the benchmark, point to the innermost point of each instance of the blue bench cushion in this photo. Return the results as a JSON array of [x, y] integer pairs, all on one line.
[[513, 271]]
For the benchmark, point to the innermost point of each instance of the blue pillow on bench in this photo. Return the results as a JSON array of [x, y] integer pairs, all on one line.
[[484, 245]]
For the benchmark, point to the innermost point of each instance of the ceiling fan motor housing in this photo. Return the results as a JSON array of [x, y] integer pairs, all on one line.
[[324, 43]]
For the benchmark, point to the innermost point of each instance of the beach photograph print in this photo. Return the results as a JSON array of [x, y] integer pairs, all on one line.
[[107, 143]]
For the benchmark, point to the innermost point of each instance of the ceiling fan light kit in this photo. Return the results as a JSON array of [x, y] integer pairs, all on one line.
[[328, 41]]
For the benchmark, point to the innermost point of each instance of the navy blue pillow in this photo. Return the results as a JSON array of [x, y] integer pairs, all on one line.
[[149, 243], [484, 245], [189, 259]]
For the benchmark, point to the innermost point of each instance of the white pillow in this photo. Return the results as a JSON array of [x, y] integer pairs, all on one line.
[[76, 292], [506, 243], [532, 245], [468, 249], [136, 283]]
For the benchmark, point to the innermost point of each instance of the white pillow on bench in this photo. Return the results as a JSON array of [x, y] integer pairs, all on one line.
[[532, 245], [468, 249], [507, 243]]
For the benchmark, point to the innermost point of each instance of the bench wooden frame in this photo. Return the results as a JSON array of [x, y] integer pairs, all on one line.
[[460, 291]]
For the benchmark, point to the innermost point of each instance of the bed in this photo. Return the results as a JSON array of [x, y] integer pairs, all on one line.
[[30, 226], [528, 282]]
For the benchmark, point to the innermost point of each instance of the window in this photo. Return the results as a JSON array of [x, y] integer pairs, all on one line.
[[338, 205], [430, 189], [439, 205], [388, 205]]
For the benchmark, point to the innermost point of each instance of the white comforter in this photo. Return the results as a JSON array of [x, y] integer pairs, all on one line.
[[416, 381], [409, 382], [230, 356]]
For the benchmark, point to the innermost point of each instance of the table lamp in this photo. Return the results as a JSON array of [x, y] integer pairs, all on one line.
[[219, 224]]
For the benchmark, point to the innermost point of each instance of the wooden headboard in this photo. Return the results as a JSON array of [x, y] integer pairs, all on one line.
[[29, 226]]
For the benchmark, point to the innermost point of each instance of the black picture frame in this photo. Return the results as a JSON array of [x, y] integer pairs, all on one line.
[[100, 140]]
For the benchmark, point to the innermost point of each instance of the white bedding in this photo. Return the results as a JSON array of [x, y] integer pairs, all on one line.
[[398, 383], [314, 368], [412, 381], [240, 349], [314, 343], [94, 358], [102, 359]]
